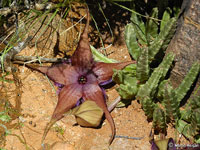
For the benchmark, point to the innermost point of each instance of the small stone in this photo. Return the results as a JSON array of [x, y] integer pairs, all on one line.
[[21, 119], [43, 90]]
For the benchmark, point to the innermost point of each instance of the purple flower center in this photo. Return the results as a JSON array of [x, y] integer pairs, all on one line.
[[82, 79]]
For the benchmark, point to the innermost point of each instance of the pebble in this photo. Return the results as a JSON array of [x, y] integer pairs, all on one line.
[[21, 119], [43, 90], [43, 112]]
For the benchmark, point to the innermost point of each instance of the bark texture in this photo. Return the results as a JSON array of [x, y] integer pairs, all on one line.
[[186, 41]]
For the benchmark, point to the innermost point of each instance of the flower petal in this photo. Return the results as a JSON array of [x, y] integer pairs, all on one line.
[[91, 91], [38, 68], [62, 73], [82, 56], [104, 71], [67, 99]]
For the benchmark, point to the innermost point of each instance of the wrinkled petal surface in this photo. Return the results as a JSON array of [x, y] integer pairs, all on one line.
[[104, 71], [82, 56], [67, 99], [92, 91], [63, 73]]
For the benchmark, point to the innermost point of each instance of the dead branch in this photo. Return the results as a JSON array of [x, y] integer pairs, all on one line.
[[11, 56], [6, 57], [114, 103], [35, 59], [16, 49]]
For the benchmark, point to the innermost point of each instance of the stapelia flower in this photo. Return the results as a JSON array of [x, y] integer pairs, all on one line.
[[168, 144], [81, 80]]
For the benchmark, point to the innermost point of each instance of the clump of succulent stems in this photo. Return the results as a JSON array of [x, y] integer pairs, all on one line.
[[147, 42]]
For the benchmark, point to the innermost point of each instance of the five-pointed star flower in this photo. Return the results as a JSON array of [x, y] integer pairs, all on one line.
[[81, 79]]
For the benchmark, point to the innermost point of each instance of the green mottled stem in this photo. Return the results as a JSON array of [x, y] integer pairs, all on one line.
[[171, 104], [159, 121], [131, 41], [186, 84], [142, 72], [161, 89], [166, 63], [150, 85], [161, 39], [148, 107]]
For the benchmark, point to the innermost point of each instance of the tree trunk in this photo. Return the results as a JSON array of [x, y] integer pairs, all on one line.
[[186, 41]]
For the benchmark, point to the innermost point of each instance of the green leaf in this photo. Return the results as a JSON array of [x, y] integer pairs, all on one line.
[[4, 117], [123, 103], [100, 57], [131, 41]]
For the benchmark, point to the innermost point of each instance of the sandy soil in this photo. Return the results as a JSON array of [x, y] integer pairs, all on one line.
[[38, 101], [39, 98]]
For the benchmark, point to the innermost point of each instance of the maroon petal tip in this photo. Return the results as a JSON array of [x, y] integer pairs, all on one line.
[[82, 56], [67, 99], [94, 92], [104, 71]]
